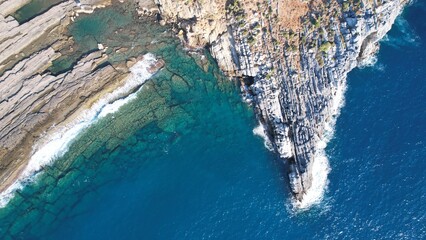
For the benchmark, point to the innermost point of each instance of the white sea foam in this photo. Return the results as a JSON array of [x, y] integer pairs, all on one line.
[[56, 144], [368, 62], [261, 132], [407, 35], [320, 166], [315, 194]]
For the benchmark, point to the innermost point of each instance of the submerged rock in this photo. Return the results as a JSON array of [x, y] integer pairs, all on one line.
[[291, 56], [48, 76], [298, 70]]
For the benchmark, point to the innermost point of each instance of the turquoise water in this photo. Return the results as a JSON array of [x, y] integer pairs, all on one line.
[[181, 162], [33, 9], [119, 29]]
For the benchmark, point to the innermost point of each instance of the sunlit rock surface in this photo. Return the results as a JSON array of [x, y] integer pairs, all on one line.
[[292, 58]]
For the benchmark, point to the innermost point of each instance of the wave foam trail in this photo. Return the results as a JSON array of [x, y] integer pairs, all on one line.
[[260, 131], [369, 62], [56, 144], [321, 167], [407, 35], [320, 171]]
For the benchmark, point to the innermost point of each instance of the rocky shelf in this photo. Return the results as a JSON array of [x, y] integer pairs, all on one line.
[[291, 56]]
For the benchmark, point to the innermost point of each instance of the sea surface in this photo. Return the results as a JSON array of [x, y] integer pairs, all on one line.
[[181, 161]]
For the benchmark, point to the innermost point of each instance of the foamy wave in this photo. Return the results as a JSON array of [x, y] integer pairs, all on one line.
[[320, 166], [260, 131], [407, 35], [320, 171], [368, 62], [56, 144]]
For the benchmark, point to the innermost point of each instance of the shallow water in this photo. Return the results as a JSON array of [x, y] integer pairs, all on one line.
[[33, 9], [119, 29], [181, 162]]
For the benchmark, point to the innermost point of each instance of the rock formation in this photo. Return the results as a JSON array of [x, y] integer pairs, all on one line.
[[31, 102], [291, 56], [32, 99]]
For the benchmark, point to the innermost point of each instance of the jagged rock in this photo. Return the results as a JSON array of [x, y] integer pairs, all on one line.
[[293, 74], [15, 38], [296, 92], [31, 101], [222, 51], [202, 22]]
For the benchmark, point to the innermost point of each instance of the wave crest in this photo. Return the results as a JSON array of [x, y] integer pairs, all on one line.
[[55, 145], [320, 166], [261, 132]]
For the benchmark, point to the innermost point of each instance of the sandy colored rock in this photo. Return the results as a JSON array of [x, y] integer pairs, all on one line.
[[8, 7], [35, 102], [15, 39], [292, 57]]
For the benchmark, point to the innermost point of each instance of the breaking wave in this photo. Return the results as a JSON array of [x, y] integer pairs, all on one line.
[[321, 167], [369, 62], [406, 35], [56, 144], [261, 132]]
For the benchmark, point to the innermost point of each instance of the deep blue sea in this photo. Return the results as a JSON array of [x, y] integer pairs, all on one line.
[[182, 162]]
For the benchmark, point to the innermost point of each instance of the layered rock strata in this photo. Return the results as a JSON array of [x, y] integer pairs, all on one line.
[[292, 57], [293, 74], [33, 101]]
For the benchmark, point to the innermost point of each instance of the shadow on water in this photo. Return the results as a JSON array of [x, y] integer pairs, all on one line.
[[33, 9]]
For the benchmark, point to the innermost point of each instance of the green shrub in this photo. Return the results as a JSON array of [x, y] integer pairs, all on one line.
[[325, 46]]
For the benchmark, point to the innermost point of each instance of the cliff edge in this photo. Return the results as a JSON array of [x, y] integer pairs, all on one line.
[[292, 58]]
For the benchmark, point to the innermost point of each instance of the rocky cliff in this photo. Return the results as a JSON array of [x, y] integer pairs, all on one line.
[[292, 58], [34, 100]]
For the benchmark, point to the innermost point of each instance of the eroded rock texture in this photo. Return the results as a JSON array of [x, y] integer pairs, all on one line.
[[32, 99], [292, 57]]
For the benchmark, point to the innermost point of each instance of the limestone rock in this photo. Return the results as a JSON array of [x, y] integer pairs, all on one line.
[[30, 103], [15, 38], [294, 74], [8, 7], [292, 64]]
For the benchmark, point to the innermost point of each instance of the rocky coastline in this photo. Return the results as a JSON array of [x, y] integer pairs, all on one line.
[[35, 101], [291, 57]]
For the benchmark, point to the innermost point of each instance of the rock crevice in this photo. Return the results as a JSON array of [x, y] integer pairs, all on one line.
[[291, 56], [298, 70]]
